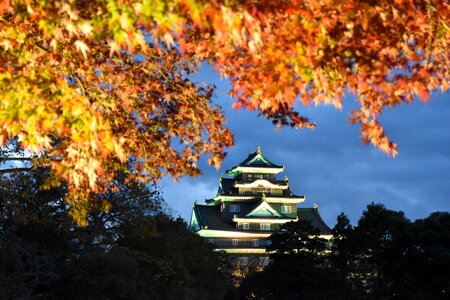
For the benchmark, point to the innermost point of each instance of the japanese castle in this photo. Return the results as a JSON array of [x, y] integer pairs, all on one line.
[[251, 204]]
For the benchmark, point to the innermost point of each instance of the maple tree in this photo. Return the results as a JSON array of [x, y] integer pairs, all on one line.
[[100, 86]]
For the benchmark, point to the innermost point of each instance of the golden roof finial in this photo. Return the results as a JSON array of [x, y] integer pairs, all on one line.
[[259, 149], [315, 206], [264, 196]]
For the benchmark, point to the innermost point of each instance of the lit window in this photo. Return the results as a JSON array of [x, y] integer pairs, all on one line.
[[285, 209], [255, 243], [234, 242], [245, 191], [245, 226], [263, 261], [264, 226], [242, 260], [276, 192], [260, 191], [234, 208]]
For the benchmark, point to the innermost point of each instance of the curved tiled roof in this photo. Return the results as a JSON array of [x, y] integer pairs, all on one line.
[[226, 186], [210, 216], [258, 160], [312, 214]]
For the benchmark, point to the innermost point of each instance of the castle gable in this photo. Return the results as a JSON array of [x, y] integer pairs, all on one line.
[[263, 210]]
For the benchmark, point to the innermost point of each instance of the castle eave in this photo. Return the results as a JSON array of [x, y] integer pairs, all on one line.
[[262, 170], [261, 182], [242, 250], [207, 233], [264, 220], [226, 198]]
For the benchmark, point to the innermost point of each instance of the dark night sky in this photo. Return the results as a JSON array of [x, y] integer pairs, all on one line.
[[331, 166]]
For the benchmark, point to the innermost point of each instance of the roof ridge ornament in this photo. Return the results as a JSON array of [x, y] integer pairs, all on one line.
[[259, 149], [315, 206]]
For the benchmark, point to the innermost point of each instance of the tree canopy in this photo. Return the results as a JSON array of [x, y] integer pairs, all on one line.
[[385, 256], [299, 268], [136, 251], [100, 86]]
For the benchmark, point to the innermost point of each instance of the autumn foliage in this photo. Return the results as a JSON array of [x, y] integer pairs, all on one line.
[[104, 85]]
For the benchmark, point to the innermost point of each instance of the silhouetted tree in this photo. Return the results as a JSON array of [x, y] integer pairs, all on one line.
[[385, 256], [388, 257], [300, 268], [136, 251], [429, 271]]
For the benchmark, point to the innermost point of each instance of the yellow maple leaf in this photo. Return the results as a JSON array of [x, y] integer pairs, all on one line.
[[82, 47]]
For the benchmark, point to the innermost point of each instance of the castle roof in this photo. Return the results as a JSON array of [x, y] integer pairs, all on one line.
[[263, 209], [227, 187], [256, 161], [312, 215], [209, 217]]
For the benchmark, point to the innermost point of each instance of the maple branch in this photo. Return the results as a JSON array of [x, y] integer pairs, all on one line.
[[81, 85], [163, 75], [42, 48]]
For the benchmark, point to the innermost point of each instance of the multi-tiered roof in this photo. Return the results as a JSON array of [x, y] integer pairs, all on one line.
[[250, 204]]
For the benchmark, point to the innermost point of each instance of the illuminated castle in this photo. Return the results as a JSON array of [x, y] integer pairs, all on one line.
[[251, 204]]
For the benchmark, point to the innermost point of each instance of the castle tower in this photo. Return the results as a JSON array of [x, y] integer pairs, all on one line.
[[251, 204]]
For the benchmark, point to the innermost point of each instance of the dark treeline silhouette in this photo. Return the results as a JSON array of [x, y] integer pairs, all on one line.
[[385, 256], [136, 251]]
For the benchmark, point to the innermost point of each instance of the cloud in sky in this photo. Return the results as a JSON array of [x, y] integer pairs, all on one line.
[[331, 165]]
